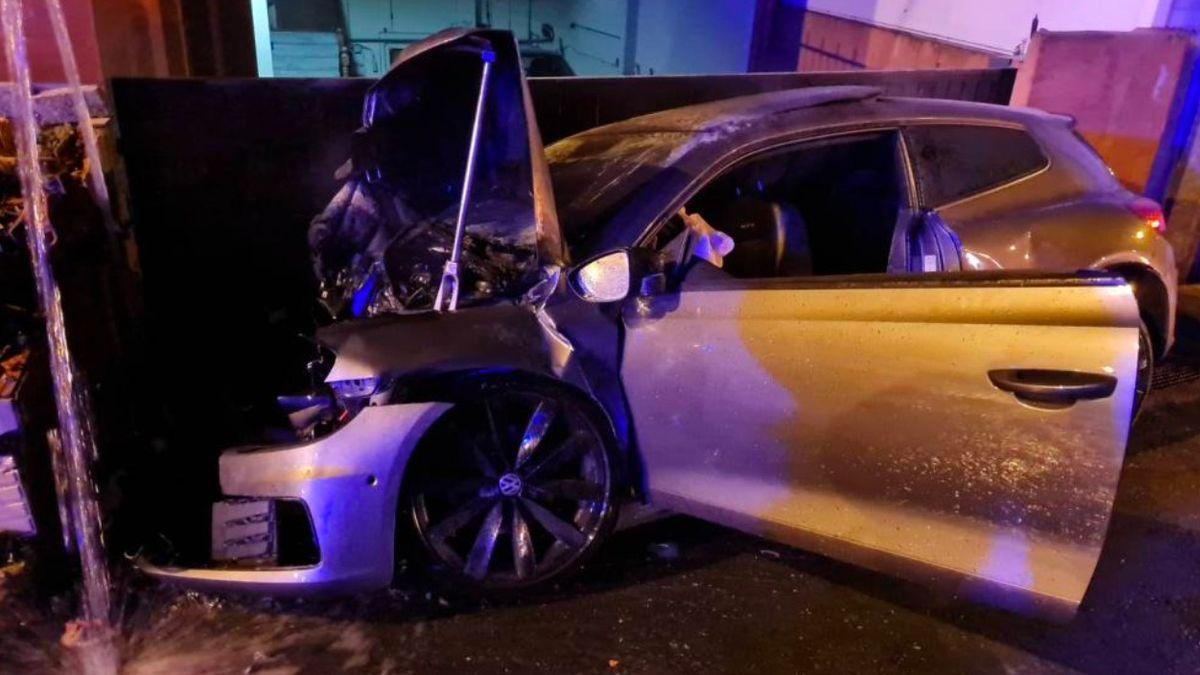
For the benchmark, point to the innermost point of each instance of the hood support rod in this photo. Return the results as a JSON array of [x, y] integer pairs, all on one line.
[[447, 295]]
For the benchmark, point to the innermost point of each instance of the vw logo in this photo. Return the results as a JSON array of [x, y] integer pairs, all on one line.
[[510, 485]]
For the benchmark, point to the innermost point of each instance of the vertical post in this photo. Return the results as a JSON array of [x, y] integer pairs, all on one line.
[[70, 398], [631, 37], [262, 38], [447, 295]]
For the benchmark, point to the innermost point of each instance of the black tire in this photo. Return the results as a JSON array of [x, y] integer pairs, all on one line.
[[1145, 368], [513, 489]]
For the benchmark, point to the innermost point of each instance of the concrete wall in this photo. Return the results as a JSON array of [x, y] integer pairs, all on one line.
[[1125, 91], [682, 37], [377, 27], [1000, 25], [712, 36], [304, 54], [587, 29], [1120, 88], [673, 37]]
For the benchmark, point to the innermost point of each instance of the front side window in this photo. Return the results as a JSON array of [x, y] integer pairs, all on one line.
[[822, 208], [953, 162]]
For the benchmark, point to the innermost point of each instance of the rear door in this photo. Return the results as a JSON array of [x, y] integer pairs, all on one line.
[[960, 430]]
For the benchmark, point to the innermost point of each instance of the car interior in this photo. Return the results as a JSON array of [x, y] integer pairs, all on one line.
[[823, 208]]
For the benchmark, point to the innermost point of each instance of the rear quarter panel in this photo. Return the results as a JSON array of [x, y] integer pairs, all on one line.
[[1072, 215], [1091, 231]]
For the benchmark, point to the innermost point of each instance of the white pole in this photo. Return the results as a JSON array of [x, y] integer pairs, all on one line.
[[447, 295], [261, 20], [70, 399]]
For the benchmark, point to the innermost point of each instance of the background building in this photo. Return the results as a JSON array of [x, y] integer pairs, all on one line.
[[595, 37]]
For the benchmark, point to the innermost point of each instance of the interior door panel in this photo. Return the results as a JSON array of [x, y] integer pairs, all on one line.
[[858, 417]]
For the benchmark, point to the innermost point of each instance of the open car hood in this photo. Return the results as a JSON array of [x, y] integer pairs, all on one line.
[[381, 244]]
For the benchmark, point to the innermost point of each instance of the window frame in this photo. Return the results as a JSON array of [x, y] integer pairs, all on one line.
[[1047, 157]]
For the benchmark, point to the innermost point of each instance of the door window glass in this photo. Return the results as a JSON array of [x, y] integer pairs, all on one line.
[[826, 207]]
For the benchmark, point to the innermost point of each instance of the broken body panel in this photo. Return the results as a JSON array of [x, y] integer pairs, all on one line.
[[857, 417]]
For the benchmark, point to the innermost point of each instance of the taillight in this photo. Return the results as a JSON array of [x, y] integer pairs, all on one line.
[[1150, 213]]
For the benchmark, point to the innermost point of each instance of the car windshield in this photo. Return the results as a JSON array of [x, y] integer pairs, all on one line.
[[595, 174]]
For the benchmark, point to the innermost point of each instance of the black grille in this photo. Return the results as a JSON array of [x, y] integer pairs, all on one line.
[[294, 538]]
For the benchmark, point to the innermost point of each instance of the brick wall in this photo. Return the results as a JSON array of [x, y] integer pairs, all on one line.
[[43, 52], [835, 43]]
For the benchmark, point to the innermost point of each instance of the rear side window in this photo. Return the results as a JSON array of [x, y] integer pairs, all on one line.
[[957, 161]]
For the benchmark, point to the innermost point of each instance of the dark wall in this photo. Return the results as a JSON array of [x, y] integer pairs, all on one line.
[[224, 177], [778, 29], [218, 38]]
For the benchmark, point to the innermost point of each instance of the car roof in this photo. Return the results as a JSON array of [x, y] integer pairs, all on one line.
[[641, 162], [714, 114], [798, 107]]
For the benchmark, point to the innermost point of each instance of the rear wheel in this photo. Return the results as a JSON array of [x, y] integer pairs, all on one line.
[[1145, 368], [513, 488]]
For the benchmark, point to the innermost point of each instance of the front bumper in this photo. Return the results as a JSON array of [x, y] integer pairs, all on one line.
[[15, 515], [349, 481]]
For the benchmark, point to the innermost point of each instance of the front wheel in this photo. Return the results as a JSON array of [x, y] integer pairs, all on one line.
[[513, 488]]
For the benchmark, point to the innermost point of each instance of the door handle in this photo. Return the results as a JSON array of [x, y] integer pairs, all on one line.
[[1052, 388]]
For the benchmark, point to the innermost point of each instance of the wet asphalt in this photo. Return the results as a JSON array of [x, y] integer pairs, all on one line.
[[683, 596]]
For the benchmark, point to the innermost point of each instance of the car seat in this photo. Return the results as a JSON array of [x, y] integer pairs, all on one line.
[[770, 239]]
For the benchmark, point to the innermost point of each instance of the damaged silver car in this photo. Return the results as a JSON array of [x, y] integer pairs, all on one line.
[[505, 379]]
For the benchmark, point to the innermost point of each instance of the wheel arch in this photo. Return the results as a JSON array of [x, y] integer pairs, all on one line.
[[450, 385], [1153, 300]]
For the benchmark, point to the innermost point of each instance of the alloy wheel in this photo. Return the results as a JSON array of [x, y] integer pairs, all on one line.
[[511, 489]]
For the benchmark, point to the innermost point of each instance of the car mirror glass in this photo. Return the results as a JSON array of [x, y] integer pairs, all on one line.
[[605, 278]]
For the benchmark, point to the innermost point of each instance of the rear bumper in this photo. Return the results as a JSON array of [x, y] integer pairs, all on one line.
[[350, 483]]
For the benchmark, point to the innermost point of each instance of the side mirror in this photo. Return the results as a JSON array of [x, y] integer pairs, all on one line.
[[607, 277], [615, 275]]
